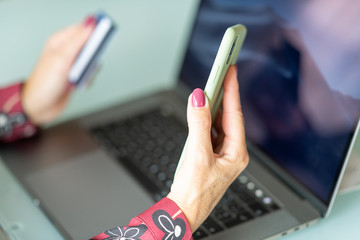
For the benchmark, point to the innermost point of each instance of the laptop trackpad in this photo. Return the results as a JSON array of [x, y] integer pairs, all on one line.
[[89, 194]]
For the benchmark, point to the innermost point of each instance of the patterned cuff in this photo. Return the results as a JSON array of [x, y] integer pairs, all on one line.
[[13, 122], [165, 220]]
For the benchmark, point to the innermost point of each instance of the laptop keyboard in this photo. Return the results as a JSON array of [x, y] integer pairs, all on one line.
[[149, 145]]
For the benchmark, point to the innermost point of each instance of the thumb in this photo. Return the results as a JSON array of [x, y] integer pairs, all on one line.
[[199, 120]]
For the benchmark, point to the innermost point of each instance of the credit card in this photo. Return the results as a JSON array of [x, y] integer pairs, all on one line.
[[87, 60]]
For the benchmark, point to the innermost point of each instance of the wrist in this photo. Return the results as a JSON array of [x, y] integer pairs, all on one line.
[[28, 106], [195, 209]]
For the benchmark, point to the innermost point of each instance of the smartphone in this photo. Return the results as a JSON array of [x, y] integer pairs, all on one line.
[[226, 56], [87, 60]]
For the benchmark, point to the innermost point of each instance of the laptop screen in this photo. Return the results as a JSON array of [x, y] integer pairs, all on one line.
[[298, 80]]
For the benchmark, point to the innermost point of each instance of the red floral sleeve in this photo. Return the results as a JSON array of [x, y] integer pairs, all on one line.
[[164, 220], [13, 121]]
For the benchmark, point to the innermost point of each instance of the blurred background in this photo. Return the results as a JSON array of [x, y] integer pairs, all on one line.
[[148, 45]]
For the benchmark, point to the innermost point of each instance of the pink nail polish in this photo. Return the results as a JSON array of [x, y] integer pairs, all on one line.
[[198, 98], [89, 21]]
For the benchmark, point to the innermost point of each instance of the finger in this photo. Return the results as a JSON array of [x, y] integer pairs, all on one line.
[[217, 133], [199, 122], [59, 38], [217, 124], [232, 121], [74, 42], [219, 142]]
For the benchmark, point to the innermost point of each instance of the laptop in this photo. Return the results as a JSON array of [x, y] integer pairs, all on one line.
[[98, 171]]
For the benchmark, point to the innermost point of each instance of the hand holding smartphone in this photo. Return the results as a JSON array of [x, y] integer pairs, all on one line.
[[226, 56], [86, 62]]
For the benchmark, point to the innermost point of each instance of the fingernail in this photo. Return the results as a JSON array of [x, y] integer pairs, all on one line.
[[89, 21], [71, 87], [198, 98]]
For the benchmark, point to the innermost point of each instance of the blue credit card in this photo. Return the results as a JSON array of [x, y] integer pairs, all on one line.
[[86, 62]]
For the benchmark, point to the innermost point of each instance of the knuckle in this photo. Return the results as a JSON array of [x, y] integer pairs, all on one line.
[[243, 159], [201, 124], [246, 159], [52, 44], [51, 41], [241, 116]]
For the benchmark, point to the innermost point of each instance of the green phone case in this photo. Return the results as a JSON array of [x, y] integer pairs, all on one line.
[[227, 55]]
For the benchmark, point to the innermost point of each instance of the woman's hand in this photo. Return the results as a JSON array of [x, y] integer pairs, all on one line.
[[205, 173], [46, 92]]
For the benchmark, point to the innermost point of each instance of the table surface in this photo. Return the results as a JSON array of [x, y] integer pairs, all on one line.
[[15, 204]]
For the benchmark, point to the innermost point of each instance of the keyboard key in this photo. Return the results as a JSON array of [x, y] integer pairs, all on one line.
[[172, 167], [161, 176], [170, 145], [258, 209], [180, 139], [153, 169], [199, 234], [238, 187], [226, 199], [157, 152], [154, 132], [241, 217], [158, 197], [250, 185], [122, 152], [164, 193], [259, 193], [235, 208], [267, 200], [146, 161], [131, 147], [164, 160], [138, 154], [243, 179], [168, 184], [142, 138], [134, 131], [221, 214], [212, 226], [160, 140], [150, 145], [242, 192], [244, 217]]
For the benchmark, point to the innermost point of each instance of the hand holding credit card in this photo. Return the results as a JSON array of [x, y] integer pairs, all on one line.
[[86, 62]]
